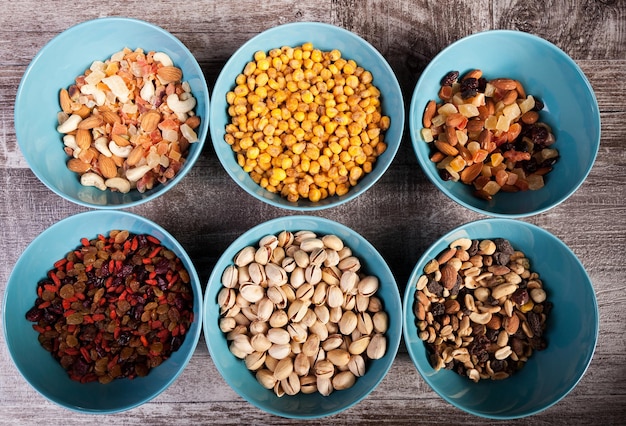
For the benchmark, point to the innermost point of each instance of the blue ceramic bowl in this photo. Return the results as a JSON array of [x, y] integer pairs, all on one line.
[[38, 366], [546, 72], [56, 66], [314, 405], [572, 328], [325, 37]]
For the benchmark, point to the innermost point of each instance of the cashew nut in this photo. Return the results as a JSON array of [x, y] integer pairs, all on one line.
[[178, 105], [119, 183], [93, 179], [70, 124], [98, 95], [147, 91], [120, 151], [101, 146], [163, 58], [136, 173], [70, 141]]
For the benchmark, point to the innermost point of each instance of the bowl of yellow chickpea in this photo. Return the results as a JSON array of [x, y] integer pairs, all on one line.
[[306, 116]]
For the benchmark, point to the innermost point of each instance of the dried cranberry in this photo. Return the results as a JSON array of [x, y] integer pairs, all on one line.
[[34, 314]]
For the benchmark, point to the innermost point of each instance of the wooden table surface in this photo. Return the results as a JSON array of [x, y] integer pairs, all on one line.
[[401, 215]]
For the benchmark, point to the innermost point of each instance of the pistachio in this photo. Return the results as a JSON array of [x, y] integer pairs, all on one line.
[[377, 346], [381, 322], [313, 274], [262, 255], [260, 342], [322, 313], [245, 256], [308, 384], [276, 275], [279, 351], [310, 244], [291, 384], [339, 357], [333, 242], [357, 365], [324, 385], [350, 263], [359, 345], [278, 336], [255, 360], [335, 296], [252, 292], [266, 378], [230, 276], [348, 322], [283, 368], [285, 239], [344, 380], [324, 369], [368, 285]]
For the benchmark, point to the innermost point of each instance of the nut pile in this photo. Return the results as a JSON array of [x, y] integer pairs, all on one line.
[[488, 134], [301, 313], [115, 307], [128, 121], [480, 310], [305, 123]]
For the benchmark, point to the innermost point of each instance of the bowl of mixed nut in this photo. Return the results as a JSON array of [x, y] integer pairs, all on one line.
[[302, 317], [500, 318], [112, 112], [306, 116], [102, 311], [505, 123]]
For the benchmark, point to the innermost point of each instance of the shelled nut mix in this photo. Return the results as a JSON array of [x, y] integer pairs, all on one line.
[[480, 309], [127, 122], [301, 313]]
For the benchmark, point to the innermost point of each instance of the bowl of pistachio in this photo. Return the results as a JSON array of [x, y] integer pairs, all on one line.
[[302, 317], [493, 325]]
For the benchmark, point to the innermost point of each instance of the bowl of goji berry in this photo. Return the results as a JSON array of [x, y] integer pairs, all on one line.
[[102, 311], [505, 123]]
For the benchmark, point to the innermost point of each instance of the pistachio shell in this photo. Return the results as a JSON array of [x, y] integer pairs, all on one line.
[[324, 369], [332, 342], [310, 244], [322, 313], [265, 308], [252, 292], [344, 380], [291, 384], [227, 324], [335, 296], [331, 275], [348, 322], [359, 346], [283, 369], [260, 342], [364, 323], [308, 384], [276, 276], [324, 386], [350, 263], [305, 291], [301, 364], [277, 296], [317, 256], [302, 258], [279, 318], [226, 298], [245, 256], [297, 310], [377, 346], [270, 241], [288, 264], [313, 274], [285, 239], [320, 294], [278, 336], [297, 277], [297, 332], [311, 345], [332, 242], [278, 351], [332, 258], [257, 273], [266, 378], [230, 276], [255, 360], [339, 357], [348, 282], [262, 255], [357, 365], [381, 322], [368, 285]]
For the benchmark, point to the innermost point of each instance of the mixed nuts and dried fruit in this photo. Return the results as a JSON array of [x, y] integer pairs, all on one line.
[[487, 133], [116, 306], [128, 121], [480, 310], [302, 314], [305, 123]]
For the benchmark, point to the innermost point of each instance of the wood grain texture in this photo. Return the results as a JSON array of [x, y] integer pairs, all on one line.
[[401, 215]]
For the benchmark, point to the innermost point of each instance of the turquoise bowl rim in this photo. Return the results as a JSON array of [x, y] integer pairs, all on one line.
[[173, 244], [225, 82], [408, 317], [274, 226], [416, 111], [202, 131]]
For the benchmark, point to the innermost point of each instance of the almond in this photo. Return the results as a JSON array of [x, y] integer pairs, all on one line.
[[429, 113], [470, 173], [83, 139], [90, 122], [65, 101], [448, 276], [150, 121], [135, 155], [78, 166], [504, 83], [120, 140], [446, 148], [80, 109], [110, 117], [170, 74], [107, 166]]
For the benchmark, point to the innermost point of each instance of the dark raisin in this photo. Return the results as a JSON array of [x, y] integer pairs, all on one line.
[[498, 365], [504, 246], [444, 174], [501, 258], [434, 287], [449, 78], [520, 296], [538, 104], [437, 309], [34, 314], [482, 84], [473, 248], [534, 322], [492, 334]]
